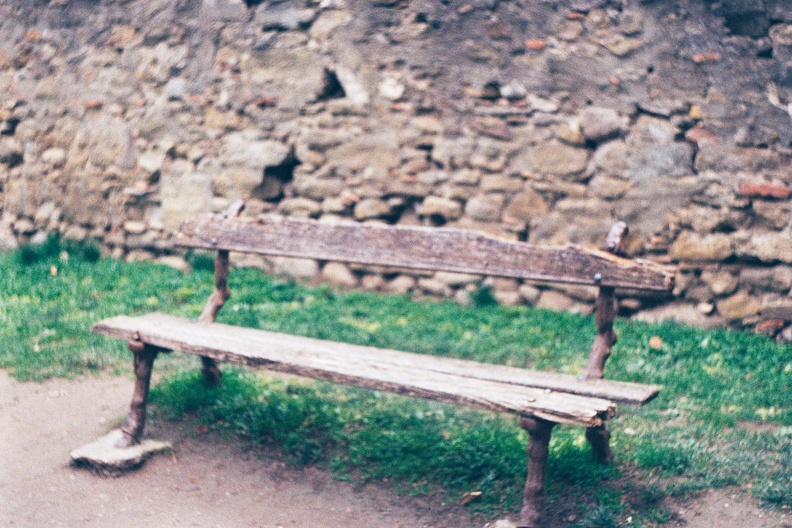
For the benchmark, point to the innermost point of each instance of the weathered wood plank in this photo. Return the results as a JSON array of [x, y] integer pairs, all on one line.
[[616, 391], [387, 370], [422, 248]]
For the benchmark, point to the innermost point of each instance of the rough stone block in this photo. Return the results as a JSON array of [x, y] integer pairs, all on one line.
[[485, 207], [228, 10], [681, 313], [554, 300], [776, 279], [765, 190], [11, 151], [319, 188], [777, 309], [530, 294], [299, 268], [508, 298], [106, 142], [456, 280], [184, 195], [557, 159], [775, 214], [739, 306], [452, 153], [692, 247], [338, 274], [598, 123], [771, 247], [372, 282], [622, 46], [371, 208], [378, 150], [609, 187], [443, 207], [500, 183], [327, 22], [400, 284], [283, 17], [54, 157], [7, 239], [659, 161], [720, 282], [174, 261], [275, 74], [243, 149], [434, 287], [300, 207]]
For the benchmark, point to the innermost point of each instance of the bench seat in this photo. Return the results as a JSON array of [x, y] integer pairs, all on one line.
[[555, 397]]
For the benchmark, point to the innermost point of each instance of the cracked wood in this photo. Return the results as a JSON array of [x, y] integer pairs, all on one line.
[[422, 248], [387, 370]]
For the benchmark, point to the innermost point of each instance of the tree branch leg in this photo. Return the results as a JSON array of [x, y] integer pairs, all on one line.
[[210, 371], [539, 432], [143, 363], [599, 438], [605, 307]]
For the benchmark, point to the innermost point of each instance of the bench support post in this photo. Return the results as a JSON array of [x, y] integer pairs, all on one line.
[[209, 369], [605, 307], [539, 432], [599, 438], [143, 363]]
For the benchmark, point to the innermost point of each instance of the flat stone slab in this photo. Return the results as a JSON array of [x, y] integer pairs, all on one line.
[[104, 456]]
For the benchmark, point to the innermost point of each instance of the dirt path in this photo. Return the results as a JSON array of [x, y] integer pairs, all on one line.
[[726, 509], [207, 481]]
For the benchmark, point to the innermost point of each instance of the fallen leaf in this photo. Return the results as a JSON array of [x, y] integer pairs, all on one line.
[[655, 342], [92, 104], [33, 35], [700, 58], [201, 429], [469, 497], [536, 44]]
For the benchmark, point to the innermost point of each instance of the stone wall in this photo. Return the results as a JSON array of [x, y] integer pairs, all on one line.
[[535, 120]]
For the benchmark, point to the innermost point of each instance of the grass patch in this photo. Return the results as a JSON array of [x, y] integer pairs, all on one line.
[[54, 292], [723, 418]]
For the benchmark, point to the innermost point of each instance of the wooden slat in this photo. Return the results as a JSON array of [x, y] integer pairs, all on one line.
[[437, 249], [367, 367], [616, 391]]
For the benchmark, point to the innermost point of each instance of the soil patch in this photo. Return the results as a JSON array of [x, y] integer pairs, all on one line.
[[206, 481], [728, 508]]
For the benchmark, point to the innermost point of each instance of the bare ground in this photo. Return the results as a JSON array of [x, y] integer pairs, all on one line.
[[208, 481]]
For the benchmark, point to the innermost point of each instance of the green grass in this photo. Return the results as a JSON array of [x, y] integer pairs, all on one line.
[[723, 418]]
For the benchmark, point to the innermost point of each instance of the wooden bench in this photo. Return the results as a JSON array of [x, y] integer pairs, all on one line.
[[540, 399]]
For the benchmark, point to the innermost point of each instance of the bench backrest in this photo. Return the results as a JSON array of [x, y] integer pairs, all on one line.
[[422, 248]]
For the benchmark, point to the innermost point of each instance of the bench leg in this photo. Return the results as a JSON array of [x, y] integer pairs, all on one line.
[[539, 432], [599, 438], [605, 308], [211, 372], [143, 363]]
